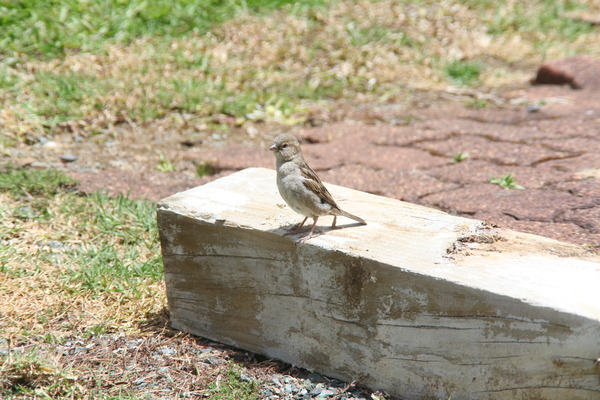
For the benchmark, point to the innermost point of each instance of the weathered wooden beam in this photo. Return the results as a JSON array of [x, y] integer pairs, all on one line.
[[419, 303]]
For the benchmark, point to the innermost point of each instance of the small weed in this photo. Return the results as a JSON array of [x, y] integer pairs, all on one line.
[[234, 386], [477, 104], [462, 72], [165, 165], [97, 330], [507, 181], [204, 169], [281, 110], [460, 157]]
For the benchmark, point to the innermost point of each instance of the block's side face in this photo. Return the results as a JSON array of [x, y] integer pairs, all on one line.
[[453, 341], [416, 336], [344, 316], [215, 276]]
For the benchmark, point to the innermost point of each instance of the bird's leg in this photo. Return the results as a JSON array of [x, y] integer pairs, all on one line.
[[334, 220], [296, 229], [310, 234]]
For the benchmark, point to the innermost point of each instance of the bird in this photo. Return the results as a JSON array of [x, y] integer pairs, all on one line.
[[300, 186]]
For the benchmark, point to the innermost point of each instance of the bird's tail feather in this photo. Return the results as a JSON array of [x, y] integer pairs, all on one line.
[[352, 216]]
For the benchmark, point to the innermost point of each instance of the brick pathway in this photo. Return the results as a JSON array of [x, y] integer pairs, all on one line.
[[553, 151]]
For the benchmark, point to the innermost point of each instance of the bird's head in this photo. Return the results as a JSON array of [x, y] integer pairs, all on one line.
[[286, 147]]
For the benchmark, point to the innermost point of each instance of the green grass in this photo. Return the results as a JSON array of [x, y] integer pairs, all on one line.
[[460, 157], [462, 72], [22, 183], [165, 165], [204, 168], [234, 387], [59, 98], [124, 251], [51, 28], [507, 181]]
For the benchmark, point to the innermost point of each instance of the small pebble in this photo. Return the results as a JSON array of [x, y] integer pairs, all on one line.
[[50, 144], [167, 351], [336, 383], [211, 360], [315, 378], [276, 381], [290, 388], [68, 158], [326, 393], [316, 391], [78, 350]]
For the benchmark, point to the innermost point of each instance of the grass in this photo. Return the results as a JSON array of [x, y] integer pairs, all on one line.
[[70, 265], [204, 169], [32, 375], [165, 165], [507, 181], [53, 28], [551, 17], [92, 65], [22, 183], [90, 253], [234, 387], [460, 157], [462, 73]]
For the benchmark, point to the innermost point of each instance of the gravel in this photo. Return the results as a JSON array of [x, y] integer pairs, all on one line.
[[151, 363]]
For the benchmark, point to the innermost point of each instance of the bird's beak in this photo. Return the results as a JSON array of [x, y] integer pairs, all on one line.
[[273, 147]]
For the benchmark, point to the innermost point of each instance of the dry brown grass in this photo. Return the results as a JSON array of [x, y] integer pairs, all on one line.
[[47, 301], [37, 290]]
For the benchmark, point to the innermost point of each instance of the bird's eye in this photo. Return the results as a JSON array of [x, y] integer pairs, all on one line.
[[283, 146]]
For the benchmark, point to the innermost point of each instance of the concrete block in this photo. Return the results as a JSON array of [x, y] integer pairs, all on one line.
[[419, 303]]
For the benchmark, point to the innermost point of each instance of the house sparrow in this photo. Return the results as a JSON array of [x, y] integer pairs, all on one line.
[[300, 186]]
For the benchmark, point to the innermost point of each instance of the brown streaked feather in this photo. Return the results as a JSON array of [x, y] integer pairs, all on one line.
[[313, 183]]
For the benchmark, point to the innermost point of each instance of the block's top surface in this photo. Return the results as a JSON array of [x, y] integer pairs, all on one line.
[[414, 238]]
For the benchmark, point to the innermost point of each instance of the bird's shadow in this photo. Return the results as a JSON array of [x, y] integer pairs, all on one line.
[[286, 230]]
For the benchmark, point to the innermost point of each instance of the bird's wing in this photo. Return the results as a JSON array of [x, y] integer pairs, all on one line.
[[314, 184]]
